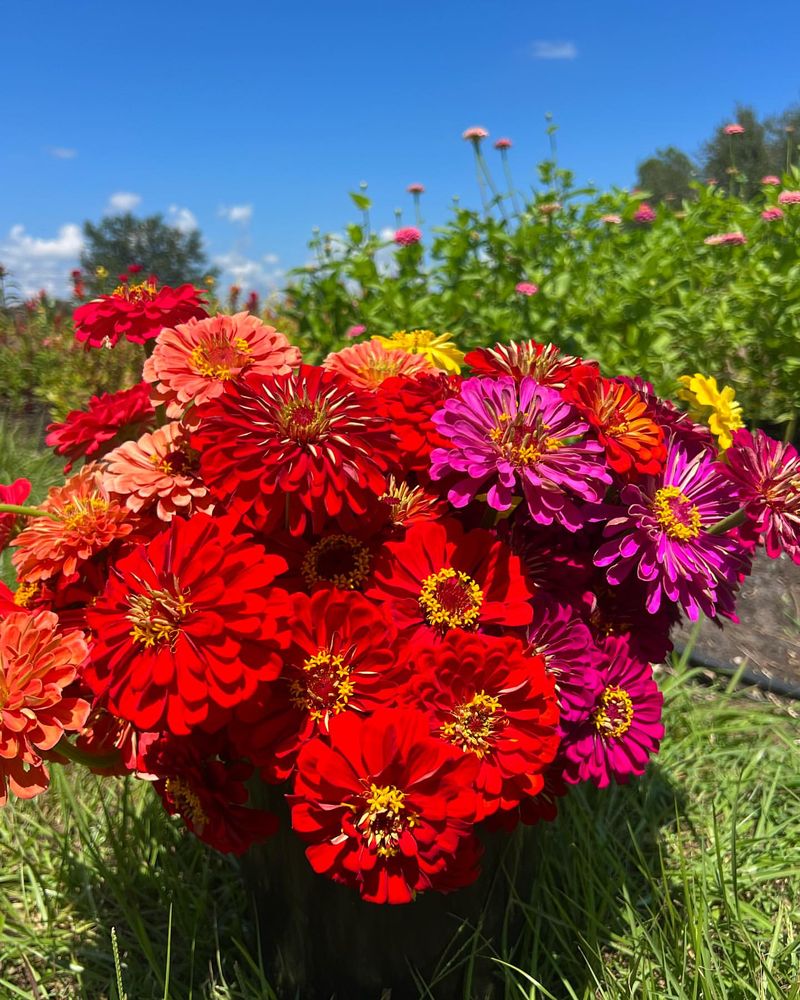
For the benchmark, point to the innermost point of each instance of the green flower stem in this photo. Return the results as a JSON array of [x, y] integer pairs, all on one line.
[[84, 757], [731, 521], [510, 181], [13, 508]]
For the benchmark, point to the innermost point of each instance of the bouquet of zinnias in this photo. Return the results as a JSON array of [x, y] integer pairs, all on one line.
[[420, 602]]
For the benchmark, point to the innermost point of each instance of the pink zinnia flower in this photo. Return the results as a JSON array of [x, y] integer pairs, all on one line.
[[157, 471], [369, 364], [355, 331], [644, 213], [612, 219], [16, 493], [407, 236], [770, 179], [624, 728], [510, 437], [194, 361], [772, 214], [526, 288], [789, 197], [734, 129], [725, 239], [503, 144], [549, 207], [416, 189], [767, 475], [475, 133]]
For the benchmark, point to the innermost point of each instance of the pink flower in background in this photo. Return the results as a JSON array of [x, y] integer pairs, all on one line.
[[550, 207], [712, 182], [734, 129], [503, 144], [355, 331], [407, 236], [526, 288], [416, 189], [612, 219], [770, 179], [772, 214], [725, 239], [789, 197], [475, 133], [644, 213]]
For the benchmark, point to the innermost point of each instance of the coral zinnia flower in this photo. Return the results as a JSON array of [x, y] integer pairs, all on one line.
[[544, 362], [138, 312], [767, 476], [294, 449], [624, 729], [493, 702], [716, 407], [439, 578], [475, 133], [664, 536], [342, 658], [386, 807], [37, 662], [187, 627], [83, 519], [157, 471], [789, 198], [15, 493], [194, 361], [734, 129], [725, 239], [438, 348], [632, 440], [369, 364], [92, 432], [408, 406], [506, 435]]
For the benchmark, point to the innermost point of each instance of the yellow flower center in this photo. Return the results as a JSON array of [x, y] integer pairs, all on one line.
[[325, 687], [614, 715], [474, 723], [156, 616], [80, 514], [338, 559], [143, 292], [384, 819], [520, 443], [25, 594], [450, 599], [217, 358], [303, 420], [676, 513], [186, 803]]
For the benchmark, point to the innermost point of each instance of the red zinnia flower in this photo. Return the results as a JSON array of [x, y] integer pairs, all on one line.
[[544, 362], [632, 439], [187, 627], [93, 431], [137, 312], [297, 449], [493, 702], [386, 807], [439, 578], [15, 493], [408, 406], [37, 662]]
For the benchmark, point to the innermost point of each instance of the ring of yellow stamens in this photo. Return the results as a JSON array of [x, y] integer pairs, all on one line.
[[352, 570], [676, 513], [81, 513], [156, 616], [384, 819], [303, 420], [522, 443], [325, 687], [186, 803], [218, 358], [25, 593], [142, 292], [474, 723], [614, 715], [450, 599]]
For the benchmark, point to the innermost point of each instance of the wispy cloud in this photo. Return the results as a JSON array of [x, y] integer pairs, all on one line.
[[553, 50], [236, 213], [259, 275], [36, 262], [182, 218], [62, 152], [123, 201]]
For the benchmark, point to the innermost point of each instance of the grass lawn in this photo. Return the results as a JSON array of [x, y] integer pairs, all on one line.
[[685, 884]]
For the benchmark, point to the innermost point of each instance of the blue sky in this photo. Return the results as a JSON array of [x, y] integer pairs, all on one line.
[[253, 120]]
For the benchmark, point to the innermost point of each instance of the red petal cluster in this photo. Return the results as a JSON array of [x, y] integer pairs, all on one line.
[[137, 312]]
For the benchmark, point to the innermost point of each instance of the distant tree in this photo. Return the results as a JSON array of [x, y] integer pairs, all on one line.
[[738, 162], [666, 175], [783, 136], [117, 241]]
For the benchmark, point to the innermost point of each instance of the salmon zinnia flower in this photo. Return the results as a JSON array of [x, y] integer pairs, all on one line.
[[368, 364], [37, 662], [193, 361]]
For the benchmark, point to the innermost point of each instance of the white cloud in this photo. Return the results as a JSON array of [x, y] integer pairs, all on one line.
[[181, 218], [36, 262], [249, 274], [62, 152], [554, 50], [270, 258], [123, 201], [236, 213]]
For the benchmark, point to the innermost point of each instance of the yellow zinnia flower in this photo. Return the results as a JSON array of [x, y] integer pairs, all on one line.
[[709, 404], [101, 272], [438, 348]]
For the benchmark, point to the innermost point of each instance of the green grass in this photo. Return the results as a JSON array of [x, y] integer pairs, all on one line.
[[684, 885]]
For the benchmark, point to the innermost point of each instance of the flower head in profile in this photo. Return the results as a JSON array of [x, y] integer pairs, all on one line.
[[407, 236], [717, 407], [387, 808], [726, 239], [767, 476], [503, 143], [352, 332], [789, 198], [194, 361], [37, 663], [770, 180], [509, 438], [475, 133], [368, 364], [772, 214], [438, 348], [15, 493], [138, 312], [526, 288], [611, 219], [549, 207], [544, 362], [416, 189], [734, 129], [92, 432]]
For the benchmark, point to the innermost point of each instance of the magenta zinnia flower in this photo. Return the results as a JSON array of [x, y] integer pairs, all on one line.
[[624, 728], [767, 474], [644, 213], [407, 236], [526, 288], [507, 435], [664, 536]]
